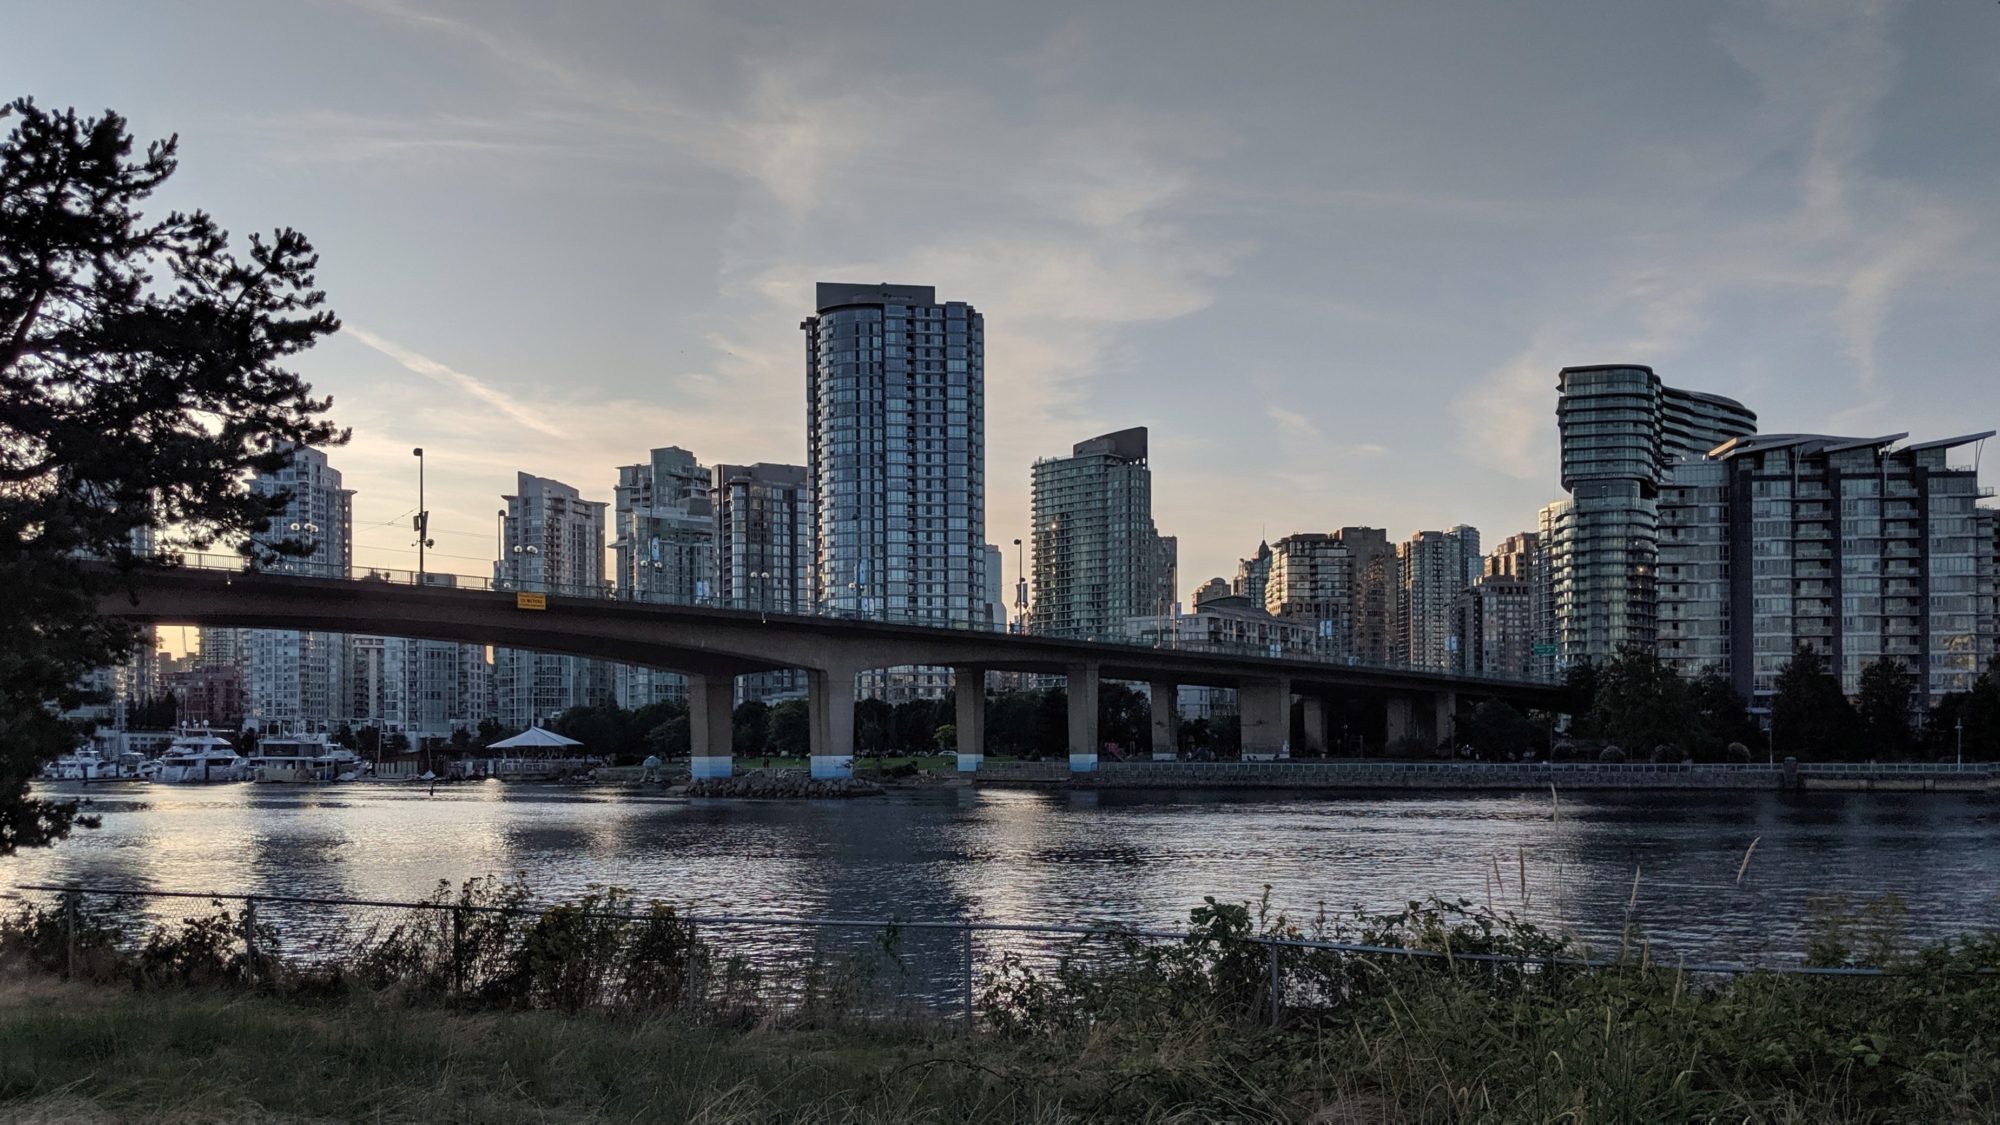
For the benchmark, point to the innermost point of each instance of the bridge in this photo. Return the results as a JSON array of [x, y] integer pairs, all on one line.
[[711, 645]]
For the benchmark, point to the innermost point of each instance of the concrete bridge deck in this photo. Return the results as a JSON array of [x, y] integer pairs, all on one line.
[[712, 646]]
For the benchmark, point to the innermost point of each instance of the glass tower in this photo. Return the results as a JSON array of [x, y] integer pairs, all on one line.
[[896, 440], [1621, 430], [1099, 559], [293, 680]]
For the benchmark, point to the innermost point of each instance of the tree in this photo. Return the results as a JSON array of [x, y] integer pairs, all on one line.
[[791, 728], [141, 382], [749, 729], [1123, 716], [871, 726], [1580, 683], [1810, 717], [672, 738], [1498, 731], [1641, 702], [1887, 702], [1721, 716]]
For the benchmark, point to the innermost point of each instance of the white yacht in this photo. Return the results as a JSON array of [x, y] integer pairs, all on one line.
[[87, 764], [198, 755], [301, 759]]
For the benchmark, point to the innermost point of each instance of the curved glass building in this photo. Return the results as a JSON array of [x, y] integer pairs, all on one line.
[[1621, 428]]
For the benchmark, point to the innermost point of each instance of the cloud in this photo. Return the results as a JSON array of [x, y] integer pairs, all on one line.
[[457, 380], [1293, 424], [1506, 421]]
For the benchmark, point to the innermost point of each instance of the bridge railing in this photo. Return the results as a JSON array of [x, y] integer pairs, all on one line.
[[877, 610]]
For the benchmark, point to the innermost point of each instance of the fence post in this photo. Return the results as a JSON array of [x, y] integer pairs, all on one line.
[[70, 911], [1277, 986], [250, 932], [458, 952], [971, 1016], [693, 984]]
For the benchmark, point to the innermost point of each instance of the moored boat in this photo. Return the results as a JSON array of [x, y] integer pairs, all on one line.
[[198, 756]]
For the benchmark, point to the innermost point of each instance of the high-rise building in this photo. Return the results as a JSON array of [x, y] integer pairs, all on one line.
[[297, 681], [1860, 547], [1988, 529], [1495, 627], [553, 542], [763, 534], [663, 544], [1555, 539], [1253, 574], [1621, 429], [1098, 558], [896, 443], [996, 591], [1311, 582], [896, 432], [1497, 620], [1376, 588], [1433, 568], [424, 688], [1693, 574]]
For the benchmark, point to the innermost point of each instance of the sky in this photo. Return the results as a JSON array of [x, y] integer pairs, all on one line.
[[1332, 254]]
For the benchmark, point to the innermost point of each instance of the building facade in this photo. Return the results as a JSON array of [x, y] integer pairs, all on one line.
[[1098, 558], [1861, 547], [1692, 585], [297, 681], [763, 534], [1311, 582], [1621, 429], [663, 549], [896, 454], [552, 542], [1433, 569]]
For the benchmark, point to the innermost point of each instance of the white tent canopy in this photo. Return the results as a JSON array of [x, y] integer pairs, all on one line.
[[534, 738]]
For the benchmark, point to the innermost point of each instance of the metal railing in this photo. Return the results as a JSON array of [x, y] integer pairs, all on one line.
[[877, 611], [634, 954]]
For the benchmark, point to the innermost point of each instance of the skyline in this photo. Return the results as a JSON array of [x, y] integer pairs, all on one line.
[[1786, 206]]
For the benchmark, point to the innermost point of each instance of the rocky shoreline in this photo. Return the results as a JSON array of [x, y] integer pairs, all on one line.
[[780, 785]]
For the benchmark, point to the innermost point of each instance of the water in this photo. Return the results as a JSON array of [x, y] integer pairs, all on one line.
[[1059, 856]]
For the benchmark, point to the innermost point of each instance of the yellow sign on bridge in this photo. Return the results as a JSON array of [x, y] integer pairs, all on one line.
[[526, 600]]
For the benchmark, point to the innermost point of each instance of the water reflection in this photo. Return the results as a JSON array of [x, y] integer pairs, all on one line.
[[1136, 857]]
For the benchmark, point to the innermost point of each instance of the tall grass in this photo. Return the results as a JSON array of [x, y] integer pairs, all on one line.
[[603, 1007]]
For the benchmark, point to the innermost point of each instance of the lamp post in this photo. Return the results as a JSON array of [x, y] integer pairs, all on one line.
[[1020, 588], [422, 521], [499, 539], [1961, 741], [311, 529]]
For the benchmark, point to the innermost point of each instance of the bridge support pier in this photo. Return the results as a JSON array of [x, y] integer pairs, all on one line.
[[969, 691], [1427, 719], [1165, 699], [1264, 714], [711, 734], [1312, 715], [830, 710], [1083, 743]]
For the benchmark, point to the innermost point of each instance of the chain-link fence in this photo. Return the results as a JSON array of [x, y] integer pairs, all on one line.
[[487, 944]]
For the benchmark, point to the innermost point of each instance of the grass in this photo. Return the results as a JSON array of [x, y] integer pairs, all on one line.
[[82, 1052], [195, 1027]]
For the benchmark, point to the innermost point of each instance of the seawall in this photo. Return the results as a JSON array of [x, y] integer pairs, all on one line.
[[1789, 774]]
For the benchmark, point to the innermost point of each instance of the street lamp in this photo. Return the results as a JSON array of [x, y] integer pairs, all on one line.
[[1961, 741], [421, 522], [1020, 588], [500, 537]]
